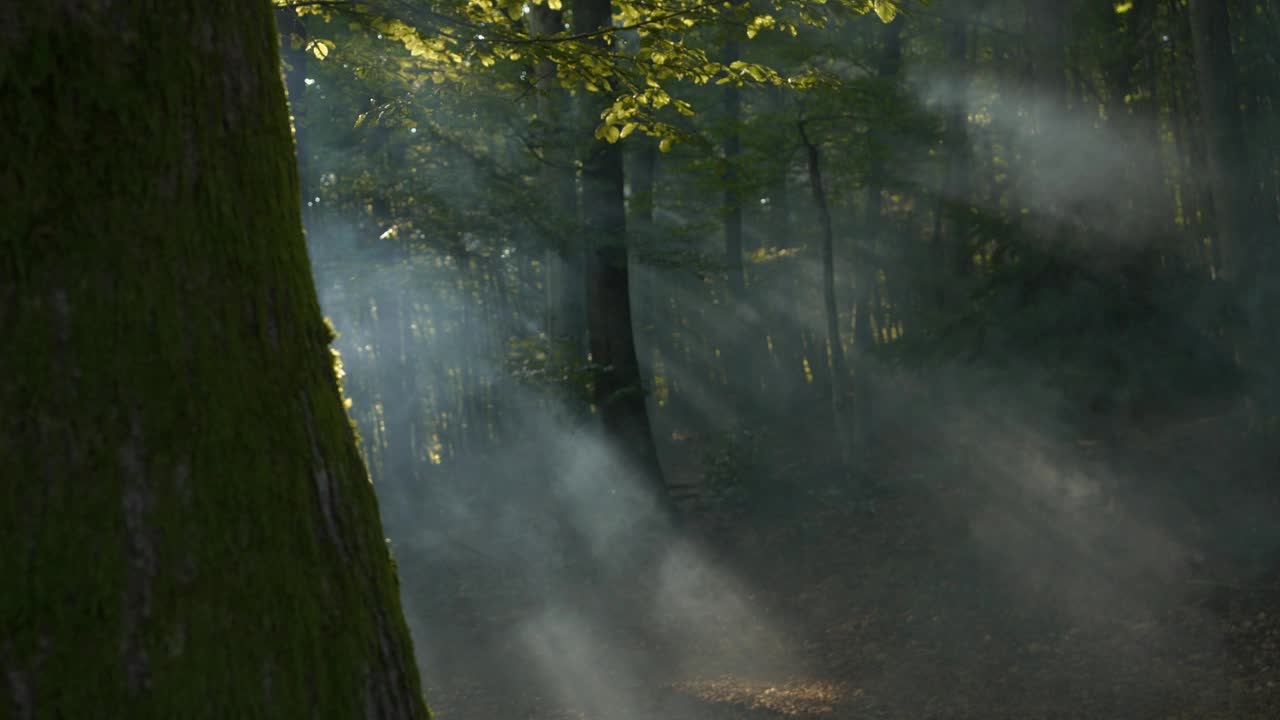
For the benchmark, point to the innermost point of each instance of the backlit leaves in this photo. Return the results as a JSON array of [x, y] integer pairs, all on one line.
[[885, 9], [320, 48], [652, 48]]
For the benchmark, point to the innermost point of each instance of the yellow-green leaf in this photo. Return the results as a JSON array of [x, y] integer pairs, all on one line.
[[885, 9], [320, 48]]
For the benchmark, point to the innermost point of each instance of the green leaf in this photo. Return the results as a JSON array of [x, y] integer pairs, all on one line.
[[608, 133], [320, 48]]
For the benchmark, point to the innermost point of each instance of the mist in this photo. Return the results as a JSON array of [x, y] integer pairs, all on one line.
[[1015, 458]]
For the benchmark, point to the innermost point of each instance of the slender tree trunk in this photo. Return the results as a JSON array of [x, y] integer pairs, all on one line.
[[1196, 206], [189, 530], [1135, 123], [1230, 165], [951, 230], [732, 148], [643, 175], [644, 166], [1245, 234], [619, 390], [399, 481], [739, 351], [835, 347], [1048, 30], [868, 283], [651, 339], [566, 320], [785, 345]]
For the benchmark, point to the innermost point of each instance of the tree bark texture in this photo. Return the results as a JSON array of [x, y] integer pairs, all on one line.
[[188, 529]]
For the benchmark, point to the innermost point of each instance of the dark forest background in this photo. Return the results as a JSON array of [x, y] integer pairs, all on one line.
[[818, 360]]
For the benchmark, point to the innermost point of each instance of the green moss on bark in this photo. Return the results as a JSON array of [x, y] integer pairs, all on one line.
[[187, 526]]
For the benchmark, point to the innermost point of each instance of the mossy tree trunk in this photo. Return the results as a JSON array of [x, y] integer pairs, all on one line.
[[186, 527]]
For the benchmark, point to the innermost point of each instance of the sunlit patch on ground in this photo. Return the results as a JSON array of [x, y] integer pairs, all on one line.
[[790, 698]]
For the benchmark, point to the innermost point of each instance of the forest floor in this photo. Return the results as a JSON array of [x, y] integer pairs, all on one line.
[[937, 599]]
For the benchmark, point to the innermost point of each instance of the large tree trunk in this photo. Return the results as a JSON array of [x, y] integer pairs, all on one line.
[[188, 528], [619, 391]]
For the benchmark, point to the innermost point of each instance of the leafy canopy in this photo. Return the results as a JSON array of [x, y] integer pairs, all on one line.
[[652, 49]]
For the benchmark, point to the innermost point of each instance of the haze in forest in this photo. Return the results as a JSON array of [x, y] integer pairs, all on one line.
[[1023, 426]]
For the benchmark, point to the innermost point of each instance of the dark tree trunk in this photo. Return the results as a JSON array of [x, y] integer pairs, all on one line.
[[732, 148], [868, 282], [951, 229], [1135, 123], [743, 329], [1245, 233], [775, 295], [643, 175], [839, 392], [399, 482], [1230, 165], [189, 529], [619, 391], [652, 338]]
